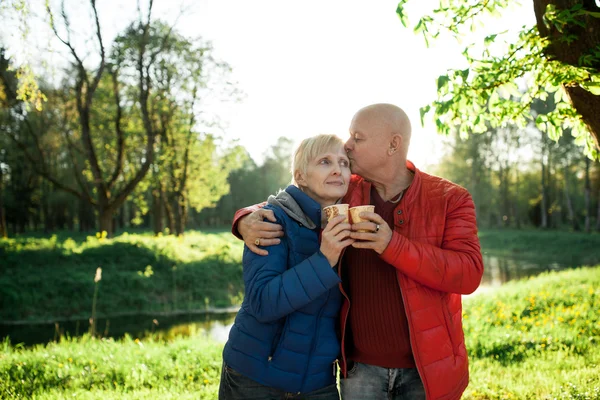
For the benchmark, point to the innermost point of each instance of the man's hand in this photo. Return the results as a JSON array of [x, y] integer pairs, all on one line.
[[378, 234], [335, 237], [257, 232]]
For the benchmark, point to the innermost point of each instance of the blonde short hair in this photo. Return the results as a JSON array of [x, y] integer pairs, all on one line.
[[309, 149]]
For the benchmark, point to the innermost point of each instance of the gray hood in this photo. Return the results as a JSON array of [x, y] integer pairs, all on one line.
[[291, 208]]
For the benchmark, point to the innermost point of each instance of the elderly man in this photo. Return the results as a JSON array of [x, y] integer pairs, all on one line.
[[401, 321]]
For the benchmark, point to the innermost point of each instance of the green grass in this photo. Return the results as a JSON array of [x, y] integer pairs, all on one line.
[[90, 368], [50, 278], [533, 339], [537, 338]]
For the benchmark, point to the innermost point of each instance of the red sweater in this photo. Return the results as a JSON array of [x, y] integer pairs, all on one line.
[[377, 319]]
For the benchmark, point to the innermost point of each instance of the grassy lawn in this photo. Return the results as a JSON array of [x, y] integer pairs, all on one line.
[[532, 339]]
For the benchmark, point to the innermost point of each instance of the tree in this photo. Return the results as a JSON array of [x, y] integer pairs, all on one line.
[[187, 170], [113, 109], [560, 54]]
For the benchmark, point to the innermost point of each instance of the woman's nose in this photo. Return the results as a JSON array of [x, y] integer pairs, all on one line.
[[337, 170]]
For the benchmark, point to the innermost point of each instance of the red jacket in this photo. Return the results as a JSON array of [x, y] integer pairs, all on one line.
[[436, 252]]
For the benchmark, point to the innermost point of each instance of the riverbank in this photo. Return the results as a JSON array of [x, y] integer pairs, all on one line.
[[52, 278], [556, 246], [532, 339]]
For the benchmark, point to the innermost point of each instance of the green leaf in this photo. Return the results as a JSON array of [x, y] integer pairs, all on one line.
[[489, 39], [423, 111], [593, 88], [442, 81], [401, 14]]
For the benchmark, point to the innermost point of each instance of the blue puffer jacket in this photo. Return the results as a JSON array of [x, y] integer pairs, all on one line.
[[285, 335]]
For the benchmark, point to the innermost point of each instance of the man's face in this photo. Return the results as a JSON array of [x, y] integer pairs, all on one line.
[[367, 145]]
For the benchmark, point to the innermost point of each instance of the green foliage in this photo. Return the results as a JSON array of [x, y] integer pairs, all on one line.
[[499, 87], [54, 278], [251, 184], [26, 88]]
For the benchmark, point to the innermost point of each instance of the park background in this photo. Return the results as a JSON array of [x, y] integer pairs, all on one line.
[[122, 164]]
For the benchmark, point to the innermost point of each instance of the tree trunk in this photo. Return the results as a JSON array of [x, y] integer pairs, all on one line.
[[569, 202], [587, 195], [516, 198], [86, 216], [105, 221], [168, 213], [46, 218], [544, 202], [181, 215], [157, 212], [121, 218], [598, 213], [570, 52], [3, 230]]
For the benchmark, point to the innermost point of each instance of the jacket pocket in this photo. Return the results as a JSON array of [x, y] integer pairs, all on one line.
[[449, 324], [277, 339]]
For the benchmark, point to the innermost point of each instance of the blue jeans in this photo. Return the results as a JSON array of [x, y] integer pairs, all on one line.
[[369, 382], [235, 386]]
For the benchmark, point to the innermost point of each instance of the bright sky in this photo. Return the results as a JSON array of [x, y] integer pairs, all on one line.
[[306, 67]]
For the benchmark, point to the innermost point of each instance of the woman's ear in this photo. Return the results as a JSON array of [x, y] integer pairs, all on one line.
[[300, 178]]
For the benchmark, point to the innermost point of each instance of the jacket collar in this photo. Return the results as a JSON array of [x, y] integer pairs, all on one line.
[[311, 208]]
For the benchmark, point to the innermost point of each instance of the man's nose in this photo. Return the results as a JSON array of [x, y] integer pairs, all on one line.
[[347, 145]]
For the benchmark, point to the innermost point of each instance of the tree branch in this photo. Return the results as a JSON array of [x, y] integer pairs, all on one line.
[[100, 70], [120, 136], [45, 174]]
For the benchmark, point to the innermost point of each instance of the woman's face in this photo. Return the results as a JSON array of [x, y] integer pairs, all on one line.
[[327, 177]]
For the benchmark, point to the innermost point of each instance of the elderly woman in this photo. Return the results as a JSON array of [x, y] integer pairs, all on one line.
[[284, 339]]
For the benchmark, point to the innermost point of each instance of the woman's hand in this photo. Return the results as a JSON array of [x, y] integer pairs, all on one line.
[[335, 237]]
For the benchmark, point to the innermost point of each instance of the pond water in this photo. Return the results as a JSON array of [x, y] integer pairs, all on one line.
[[500, 269], [216, 325]]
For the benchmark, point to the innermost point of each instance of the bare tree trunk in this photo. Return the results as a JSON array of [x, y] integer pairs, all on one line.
[[168, 213], [86, 216], [181, 216], [570, 210], [587, 195], [598, 213], [157, 212], [544, 202], [516, 199], [105, 220], [3, 230]]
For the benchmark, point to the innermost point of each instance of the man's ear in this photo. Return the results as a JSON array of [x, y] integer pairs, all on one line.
[[300, 178], [395, 144]]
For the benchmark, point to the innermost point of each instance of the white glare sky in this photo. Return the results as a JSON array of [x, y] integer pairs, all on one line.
[[306, 67]]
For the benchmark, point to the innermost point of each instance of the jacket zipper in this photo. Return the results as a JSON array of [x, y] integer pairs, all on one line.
[[343, 327], [412, 338]]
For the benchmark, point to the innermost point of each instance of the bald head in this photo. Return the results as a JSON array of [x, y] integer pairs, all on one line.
[[386, 121], [379, 140], [389, 117]]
